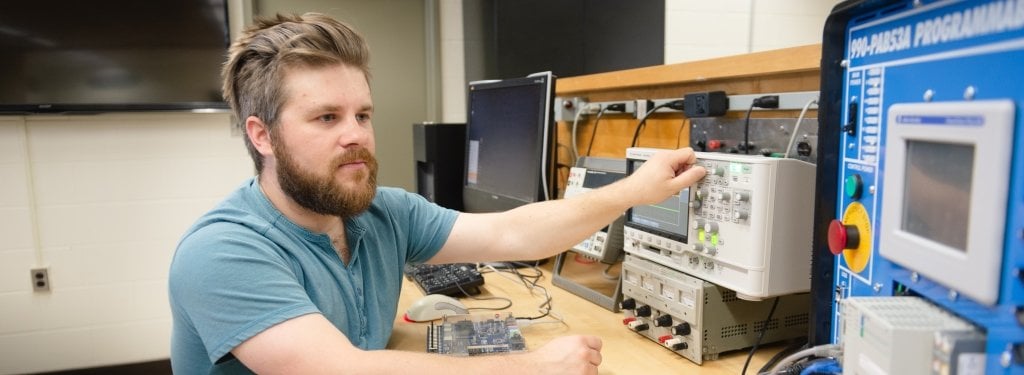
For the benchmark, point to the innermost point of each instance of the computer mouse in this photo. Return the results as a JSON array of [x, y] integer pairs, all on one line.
[[433, 307]]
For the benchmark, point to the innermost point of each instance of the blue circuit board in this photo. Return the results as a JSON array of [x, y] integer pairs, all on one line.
[[472, 334]]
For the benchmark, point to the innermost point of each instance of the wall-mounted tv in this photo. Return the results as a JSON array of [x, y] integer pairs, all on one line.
[[111, 55]]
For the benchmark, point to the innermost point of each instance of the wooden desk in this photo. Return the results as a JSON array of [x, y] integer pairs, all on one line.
[[624, 351]]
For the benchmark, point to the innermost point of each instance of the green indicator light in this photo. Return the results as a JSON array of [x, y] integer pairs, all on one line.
[[714, 239], [700, 235], [853, 186]]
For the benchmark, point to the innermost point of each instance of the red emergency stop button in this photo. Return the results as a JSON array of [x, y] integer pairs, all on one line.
[[842, 237]]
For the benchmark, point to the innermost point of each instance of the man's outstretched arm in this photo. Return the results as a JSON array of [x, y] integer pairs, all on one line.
[[543, 229]]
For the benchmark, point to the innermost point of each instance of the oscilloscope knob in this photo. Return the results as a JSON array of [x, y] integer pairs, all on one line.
[[737, 196], [702, 194]]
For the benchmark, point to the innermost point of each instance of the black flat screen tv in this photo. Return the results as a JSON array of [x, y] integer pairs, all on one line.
[[111, 55]]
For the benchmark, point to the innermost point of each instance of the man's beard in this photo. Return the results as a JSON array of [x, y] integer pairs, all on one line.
[[320, 193]]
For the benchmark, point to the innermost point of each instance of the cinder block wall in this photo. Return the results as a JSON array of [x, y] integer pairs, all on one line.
[[100, 201]]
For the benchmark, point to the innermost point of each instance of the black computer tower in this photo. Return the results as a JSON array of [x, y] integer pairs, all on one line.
[[440, 153]]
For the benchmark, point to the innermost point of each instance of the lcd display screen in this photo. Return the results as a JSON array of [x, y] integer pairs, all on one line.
[[506, 126], [668, 217], [595, 178], [937, 195]]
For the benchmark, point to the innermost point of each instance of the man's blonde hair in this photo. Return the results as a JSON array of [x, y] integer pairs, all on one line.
[[254, 72]]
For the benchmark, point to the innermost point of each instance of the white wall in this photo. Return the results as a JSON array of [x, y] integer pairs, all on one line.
[[698, 29], [453, 62], [109, 196]]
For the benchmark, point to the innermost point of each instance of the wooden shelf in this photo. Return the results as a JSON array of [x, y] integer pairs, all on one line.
[[783, 70], [781, 62]]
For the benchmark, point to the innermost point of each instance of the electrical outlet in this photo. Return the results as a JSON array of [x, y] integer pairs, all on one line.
[[706, 104], [40, 279], [566, 108], [645, 105], [621, 106]]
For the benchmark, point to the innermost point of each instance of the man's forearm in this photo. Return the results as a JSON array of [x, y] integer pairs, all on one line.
[[547, 228], [542, 229]]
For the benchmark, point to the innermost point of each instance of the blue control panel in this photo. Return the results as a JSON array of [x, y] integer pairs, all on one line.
[[931, 165]]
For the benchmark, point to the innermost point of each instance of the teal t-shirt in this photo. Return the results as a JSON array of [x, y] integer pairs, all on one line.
[[244, 267]]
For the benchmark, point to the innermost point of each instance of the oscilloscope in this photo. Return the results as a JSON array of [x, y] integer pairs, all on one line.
[[746, 226]]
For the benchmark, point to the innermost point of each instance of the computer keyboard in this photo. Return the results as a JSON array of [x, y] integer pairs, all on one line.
[[445, 278]]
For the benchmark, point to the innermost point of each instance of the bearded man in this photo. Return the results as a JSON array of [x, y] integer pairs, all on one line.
[[299, 270]]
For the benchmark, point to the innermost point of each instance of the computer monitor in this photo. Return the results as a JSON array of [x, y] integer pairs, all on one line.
[[507, 142]]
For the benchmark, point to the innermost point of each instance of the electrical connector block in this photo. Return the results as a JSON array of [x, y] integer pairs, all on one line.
[[706, 104]]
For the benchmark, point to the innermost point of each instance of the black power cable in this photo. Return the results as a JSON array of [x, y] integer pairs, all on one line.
[[789, 349], [767, 101], [760, 336], [593, 132], [746, 131], [675, 104], [617, 107]]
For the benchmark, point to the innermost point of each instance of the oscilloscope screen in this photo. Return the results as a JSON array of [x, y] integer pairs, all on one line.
[[668, 217]]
